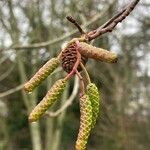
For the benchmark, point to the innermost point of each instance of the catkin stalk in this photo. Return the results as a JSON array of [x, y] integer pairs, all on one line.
[[52, 95], [97, 53], [85, 122], [42, 74], [94, 97]]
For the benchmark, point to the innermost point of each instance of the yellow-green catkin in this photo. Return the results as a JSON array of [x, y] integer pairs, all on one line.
[[97, 53], [92, 92], [42, 74], [52, 95], [85, 122]]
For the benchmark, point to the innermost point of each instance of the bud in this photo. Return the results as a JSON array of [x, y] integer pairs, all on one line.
[[42, 74], [94, 97], [85, 122], [97, 53], [52, 95]]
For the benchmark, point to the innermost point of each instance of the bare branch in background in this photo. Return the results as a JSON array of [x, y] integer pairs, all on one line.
[[69, 100], [11, 91], [6, 74], [107, 27], [61, 38]]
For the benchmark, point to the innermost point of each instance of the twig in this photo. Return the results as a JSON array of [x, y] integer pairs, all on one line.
[[69, 100], [111, 24], [70, 18], [11, 91]]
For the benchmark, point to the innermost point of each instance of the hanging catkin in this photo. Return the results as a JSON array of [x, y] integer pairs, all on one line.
[[97, 53], [52, 95], [85, 122], [94, 97], [42, 74]]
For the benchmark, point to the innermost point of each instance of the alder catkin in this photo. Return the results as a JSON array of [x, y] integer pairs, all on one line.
[[92, 92], [97, 53], [52, 95], [42, 74], [85, 122]]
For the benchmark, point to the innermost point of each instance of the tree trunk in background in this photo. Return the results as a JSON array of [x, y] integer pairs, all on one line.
[[35, 135], [60, 121], [49, 121], [30, 103], [4, 139]]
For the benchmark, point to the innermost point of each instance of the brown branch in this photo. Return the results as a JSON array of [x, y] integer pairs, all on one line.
[[72, 20], [68, 102], [111, 24]]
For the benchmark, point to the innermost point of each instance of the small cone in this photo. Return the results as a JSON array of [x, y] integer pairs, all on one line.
[[69, 57], [94, 97], [85, 122], [97, 53], [42, 74], [53, 94]]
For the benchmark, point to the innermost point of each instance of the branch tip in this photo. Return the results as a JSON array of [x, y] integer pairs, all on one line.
[[72, 20]]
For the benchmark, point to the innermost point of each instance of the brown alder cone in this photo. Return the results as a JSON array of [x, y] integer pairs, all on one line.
[[97, 53], [85, 122], [69, 57], [42, 74], [52, 95]]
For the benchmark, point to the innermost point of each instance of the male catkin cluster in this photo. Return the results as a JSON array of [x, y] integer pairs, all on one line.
[[42, 74], [74, 58], [85, 122], [52, 95], [94, 97]]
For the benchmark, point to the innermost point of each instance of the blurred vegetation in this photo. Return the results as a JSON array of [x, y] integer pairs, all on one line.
[[124, 122]]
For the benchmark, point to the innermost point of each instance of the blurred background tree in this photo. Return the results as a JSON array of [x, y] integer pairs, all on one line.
[[32, 32]]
